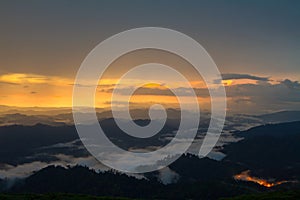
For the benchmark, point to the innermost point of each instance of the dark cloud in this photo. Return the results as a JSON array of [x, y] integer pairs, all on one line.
[[244, 76], [100, 86], [291, 84], [80, 85], [121, 103], [261, 98], [8, 83]]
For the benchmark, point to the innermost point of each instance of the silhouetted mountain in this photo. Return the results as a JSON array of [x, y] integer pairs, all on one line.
[[20, 143], [191, 169], [125, 141], [26, 120], [81, 180], [279, 117], [269, 150]]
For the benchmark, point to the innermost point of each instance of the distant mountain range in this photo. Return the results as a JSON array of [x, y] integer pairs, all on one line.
[[283, 116], [64, 116]]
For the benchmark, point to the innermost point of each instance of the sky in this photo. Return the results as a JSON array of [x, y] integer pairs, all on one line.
[[255, 45]]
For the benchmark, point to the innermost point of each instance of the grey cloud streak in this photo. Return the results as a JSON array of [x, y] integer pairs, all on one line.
[[181, 91], [244, 76]]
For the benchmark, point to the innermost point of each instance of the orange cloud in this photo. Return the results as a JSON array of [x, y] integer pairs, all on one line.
[[26, 90]]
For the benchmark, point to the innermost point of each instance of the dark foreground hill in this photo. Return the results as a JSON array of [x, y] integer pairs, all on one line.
[[81, 180], [281, 195], [57, 196]]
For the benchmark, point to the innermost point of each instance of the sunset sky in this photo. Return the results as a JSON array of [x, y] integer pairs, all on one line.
[[255, 44]]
